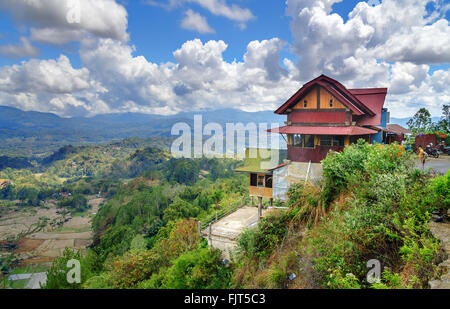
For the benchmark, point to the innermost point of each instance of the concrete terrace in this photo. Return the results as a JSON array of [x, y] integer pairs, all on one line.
[[225, 232]]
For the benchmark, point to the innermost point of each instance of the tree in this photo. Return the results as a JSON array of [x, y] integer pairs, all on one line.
[[217, 196], [443, 125], [180, 209], [421, 122], [57, 274]]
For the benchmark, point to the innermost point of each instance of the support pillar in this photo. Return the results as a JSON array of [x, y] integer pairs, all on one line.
[[259, 207]]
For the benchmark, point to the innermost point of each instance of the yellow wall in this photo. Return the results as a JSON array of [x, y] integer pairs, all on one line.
[[257, 191], [311, 97], [290, 139], [325, 98]]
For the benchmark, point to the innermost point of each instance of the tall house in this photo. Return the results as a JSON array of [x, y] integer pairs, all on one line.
[[324, 115]]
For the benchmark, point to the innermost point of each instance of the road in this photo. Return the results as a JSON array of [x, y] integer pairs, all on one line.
[[441, 165]]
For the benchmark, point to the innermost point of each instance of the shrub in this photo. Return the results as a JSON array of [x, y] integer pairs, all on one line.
[[198, 269]]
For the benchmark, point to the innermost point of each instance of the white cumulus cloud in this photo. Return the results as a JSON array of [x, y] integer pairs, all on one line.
[[196, 22]]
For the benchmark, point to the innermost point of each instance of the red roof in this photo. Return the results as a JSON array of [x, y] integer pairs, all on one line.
[[374, 99], [277, 167], [349, 130], [398, 129], [367, 102]]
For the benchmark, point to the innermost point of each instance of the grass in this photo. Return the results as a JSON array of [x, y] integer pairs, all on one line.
[[63, 229]]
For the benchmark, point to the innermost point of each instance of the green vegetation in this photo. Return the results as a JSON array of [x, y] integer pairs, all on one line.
[[76, 203], [372, 205]]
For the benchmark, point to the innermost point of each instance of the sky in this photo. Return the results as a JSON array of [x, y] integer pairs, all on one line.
[[89, 57]]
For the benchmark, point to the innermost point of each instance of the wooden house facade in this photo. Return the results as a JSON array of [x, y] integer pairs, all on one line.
[[324, 115]]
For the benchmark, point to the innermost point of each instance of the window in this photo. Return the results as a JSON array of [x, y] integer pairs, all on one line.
[[330, 140], [303, 141], [268, 181], [308, 141], [326, 140], [305, 103], [339, 140], [261, 181], [331, 103], [297, 140], [253, 180]]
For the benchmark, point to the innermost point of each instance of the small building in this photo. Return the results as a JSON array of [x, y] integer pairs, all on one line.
[[259, 165], [396, 133], [425, 139]]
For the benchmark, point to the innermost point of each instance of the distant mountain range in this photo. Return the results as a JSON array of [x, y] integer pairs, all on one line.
[[31, 133]]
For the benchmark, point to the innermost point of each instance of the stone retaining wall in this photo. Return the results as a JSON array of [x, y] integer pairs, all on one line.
[[442, 232]]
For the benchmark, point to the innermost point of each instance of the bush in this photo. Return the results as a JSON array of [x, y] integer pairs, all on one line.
[[198, 269]]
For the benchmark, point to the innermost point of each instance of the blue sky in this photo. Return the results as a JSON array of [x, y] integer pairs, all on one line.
[[146, 23], [245, 54]]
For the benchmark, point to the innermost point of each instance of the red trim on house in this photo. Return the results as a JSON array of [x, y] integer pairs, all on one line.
[[277, 167], [310, 130]]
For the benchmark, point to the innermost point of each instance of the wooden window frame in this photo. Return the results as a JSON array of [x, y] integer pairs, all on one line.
[[263, 181], [303, 136], [333, 137]]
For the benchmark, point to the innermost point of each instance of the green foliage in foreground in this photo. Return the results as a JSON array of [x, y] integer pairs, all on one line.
[[373, 205], [179, 259]]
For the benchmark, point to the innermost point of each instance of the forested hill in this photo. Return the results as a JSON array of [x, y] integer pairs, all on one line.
[[32, 133]]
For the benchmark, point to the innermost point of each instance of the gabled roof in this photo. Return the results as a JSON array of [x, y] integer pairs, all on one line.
[[398, 129], [359, 101]]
